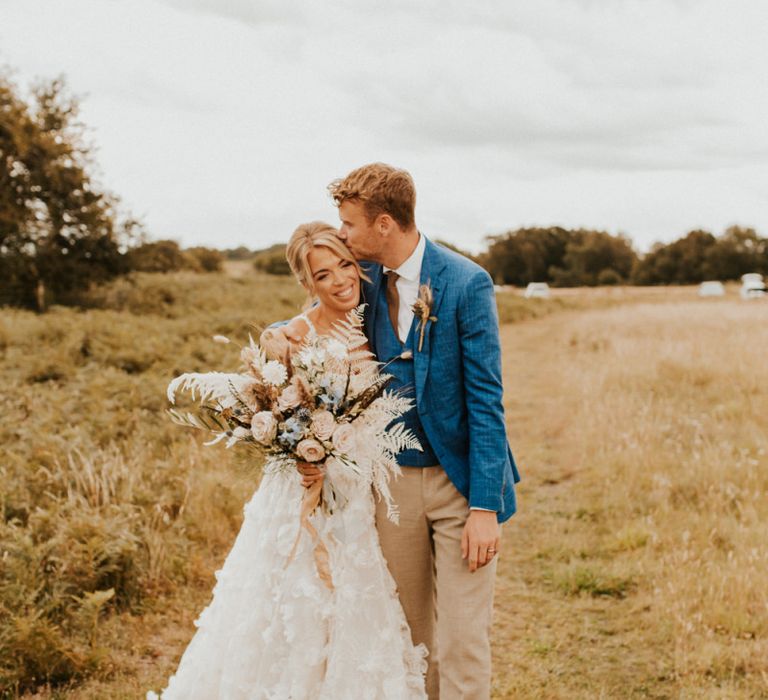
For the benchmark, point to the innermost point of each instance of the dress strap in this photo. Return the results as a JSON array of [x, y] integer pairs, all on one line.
[[306, 320]]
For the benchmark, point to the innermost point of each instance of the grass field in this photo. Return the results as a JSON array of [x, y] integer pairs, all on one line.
[[636, 567]]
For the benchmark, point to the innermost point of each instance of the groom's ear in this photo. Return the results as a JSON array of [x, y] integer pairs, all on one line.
[[384, 224]]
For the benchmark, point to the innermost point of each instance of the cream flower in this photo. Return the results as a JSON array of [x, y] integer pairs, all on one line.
[[312, 357], [274, 373], [264, 427], [310, 450], [220, 339], [337, 349], [323, 424], [290, 397], [344, 437]]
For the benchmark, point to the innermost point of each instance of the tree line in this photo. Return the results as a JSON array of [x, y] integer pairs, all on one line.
[[60, 233], [580, 257]]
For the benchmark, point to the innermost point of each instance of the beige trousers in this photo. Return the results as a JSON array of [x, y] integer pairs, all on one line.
[[448, 608]]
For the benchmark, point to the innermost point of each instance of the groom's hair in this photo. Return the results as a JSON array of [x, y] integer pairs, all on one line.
[[382, 189]]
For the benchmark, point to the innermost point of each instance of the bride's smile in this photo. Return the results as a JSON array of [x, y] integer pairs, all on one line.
[[335, 280]]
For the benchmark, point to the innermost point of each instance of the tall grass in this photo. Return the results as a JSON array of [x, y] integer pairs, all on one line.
[[676, 403], [104, 503], [638, 563], [111, 514]]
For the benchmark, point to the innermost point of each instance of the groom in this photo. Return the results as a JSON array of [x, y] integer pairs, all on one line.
[[453, 495]]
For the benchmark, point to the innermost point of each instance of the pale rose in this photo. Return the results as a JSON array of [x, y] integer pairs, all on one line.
[[310, 450], [264, 427], [323, 424], [344, 437], [290, 397]]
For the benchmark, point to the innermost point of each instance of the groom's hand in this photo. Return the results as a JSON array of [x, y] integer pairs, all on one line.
[[310, 473], [480, 539]]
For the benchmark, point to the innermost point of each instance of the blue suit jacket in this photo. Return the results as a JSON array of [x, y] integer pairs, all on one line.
[[458, 378]]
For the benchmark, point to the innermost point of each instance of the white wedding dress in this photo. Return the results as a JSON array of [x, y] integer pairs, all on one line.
[[275, 631]]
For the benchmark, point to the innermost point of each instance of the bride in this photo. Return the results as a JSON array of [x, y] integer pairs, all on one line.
[[274, 629]]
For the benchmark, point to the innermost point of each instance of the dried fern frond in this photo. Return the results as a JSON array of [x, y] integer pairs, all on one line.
[[349, 332], [209, 420], [398, 438], [209, 385], [391, 404]]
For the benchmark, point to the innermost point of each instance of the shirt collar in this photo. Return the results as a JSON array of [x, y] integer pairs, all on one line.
[[411, 268]]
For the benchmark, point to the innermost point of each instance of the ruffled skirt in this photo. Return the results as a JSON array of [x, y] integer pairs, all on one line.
[[275, 631]]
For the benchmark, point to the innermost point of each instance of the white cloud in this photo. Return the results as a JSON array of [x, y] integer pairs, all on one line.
[[222, 121]]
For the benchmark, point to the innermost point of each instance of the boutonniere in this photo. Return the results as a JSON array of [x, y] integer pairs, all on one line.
[[422, 308]]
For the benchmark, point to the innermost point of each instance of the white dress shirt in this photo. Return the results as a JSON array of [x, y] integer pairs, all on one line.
[[409, 276]]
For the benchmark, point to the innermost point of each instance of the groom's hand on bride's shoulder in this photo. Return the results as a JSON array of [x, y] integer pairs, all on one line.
[[480, 539]]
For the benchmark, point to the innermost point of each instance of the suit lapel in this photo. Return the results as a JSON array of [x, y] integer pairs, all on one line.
[[370, 297], [431, 274]]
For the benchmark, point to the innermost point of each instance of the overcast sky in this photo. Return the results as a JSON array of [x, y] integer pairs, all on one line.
[[220, 122]]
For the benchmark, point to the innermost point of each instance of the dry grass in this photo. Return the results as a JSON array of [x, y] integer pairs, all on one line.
[[635, 567], [109, 510]]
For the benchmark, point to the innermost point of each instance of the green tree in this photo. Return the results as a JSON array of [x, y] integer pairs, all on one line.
[[272, 260], [737, 251], [239, 253], [59, 232], [590, 253], [158, 256], [525, 255], [563, 257], [685, 261], [205, 259]]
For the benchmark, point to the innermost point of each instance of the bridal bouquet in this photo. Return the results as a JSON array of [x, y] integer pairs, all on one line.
[[327, 405]]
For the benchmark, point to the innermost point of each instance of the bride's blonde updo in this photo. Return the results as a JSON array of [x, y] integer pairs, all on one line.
[[315, 234]]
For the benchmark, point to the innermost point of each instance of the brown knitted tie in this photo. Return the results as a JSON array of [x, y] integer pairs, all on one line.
[[393, 300]]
